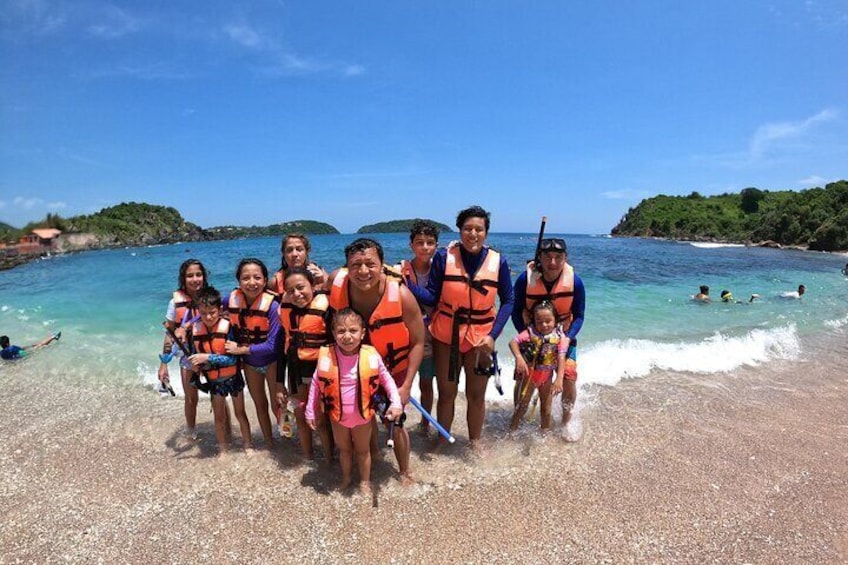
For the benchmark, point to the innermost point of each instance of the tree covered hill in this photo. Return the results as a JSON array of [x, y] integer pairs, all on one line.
[[816, 218], [309, 227], [399, 226], [127, 224]]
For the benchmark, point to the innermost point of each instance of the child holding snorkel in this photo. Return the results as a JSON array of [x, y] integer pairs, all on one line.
[[346, 379], [541, 363]]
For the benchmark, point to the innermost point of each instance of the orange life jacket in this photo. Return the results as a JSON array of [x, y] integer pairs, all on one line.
[[182, 304], [386, 330], [468, 303], [561, 294], [305, 327], [278, 283], [250, 320], [329, 381], [213, 342]]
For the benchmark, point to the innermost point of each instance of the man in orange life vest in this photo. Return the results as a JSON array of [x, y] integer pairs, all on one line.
[[394, 325], [550, 277]]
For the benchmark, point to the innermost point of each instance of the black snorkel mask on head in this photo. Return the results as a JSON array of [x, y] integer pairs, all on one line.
[[556, 244]]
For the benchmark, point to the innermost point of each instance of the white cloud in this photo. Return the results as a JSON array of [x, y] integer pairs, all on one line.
[[27, 203], [769, 136], [813, 180], [112, 23], [56, 205], [24, 19], [245, 35]]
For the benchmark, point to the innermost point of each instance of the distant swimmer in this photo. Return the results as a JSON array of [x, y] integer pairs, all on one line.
[[794, 293], [703, 295], [845, 270], [11, 352], [727, 296]]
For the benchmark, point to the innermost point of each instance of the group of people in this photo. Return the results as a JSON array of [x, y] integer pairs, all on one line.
[[342, 349], [727, 297]]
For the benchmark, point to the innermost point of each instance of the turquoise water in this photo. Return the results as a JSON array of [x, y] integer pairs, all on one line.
[[639, 315]]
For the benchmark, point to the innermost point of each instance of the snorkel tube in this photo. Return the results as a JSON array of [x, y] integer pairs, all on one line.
[[439, 428], [203, 387], [536, 264]]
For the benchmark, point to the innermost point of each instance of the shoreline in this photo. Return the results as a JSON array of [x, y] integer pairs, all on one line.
[[764, 244], [745, 466]]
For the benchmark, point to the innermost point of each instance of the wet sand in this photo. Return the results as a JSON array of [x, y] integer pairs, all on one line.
[[747, 467]]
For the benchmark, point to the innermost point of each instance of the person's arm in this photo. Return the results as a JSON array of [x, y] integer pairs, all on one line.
[[270, 344], [414, 323], [507, 297], [395, 408], [520, 363], [429, 295], [519, 291], [578, 307], [312, 401]]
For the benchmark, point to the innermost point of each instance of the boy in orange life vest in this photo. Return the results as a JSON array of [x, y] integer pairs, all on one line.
[[208, 338], [394, 325], [346, 378], [423, 240]]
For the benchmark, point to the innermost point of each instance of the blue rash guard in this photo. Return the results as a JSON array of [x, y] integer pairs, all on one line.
[[578, 305], [429, 295], [12, 352]]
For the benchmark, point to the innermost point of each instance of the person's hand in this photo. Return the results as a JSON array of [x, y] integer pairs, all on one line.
[[311, 423], [231, 348], [180, 332], [394, 414], [520, 368], [556, 388], [317, 273], [164, 377], [198, 360], [484, 349], [404, 391]]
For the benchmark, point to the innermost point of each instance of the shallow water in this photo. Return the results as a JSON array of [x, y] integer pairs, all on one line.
[[639, 318]]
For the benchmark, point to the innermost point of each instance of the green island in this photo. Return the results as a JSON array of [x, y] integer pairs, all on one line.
[[399, 226], [128, 224], [815, 219], [310, 227]]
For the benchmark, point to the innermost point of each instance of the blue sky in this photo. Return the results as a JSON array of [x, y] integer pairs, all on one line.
[[354, 112]]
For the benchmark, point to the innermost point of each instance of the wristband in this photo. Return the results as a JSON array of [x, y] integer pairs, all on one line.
[[166, 357]]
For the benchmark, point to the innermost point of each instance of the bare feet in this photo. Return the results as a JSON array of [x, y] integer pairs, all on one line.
[[365, 488], [406, 479]]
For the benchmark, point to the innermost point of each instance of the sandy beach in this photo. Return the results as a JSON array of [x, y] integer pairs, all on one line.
[[746, 467]]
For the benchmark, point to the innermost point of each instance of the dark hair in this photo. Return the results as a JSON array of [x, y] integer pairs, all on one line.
[[184, 269], [347, 312], [4, 341], [705, 289], [472, 212], [208, 296], [303, 271], [251, 261], [423, 227], [362, 244], [294, 235], [542, 305]]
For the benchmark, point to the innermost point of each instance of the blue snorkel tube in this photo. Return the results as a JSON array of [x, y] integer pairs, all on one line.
[[442, 431]]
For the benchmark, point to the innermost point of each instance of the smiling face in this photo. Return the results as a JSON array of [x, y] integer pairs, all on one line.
[[473, 234], [251, 280], [295, 253], [365, 269], [299, 290], [193, 280], [348, 333]]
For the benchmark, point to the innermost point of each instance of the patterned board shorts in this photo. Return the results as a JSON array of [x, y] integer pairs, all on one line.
[[232, 386]]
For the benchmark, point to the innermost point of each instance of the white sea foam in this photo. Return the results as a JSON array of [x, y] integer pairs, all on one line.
[[710, 245], [610, 361], [836, 324]]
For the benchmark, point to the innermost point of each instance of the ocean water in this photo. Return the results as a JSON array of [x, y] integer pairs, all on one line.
[[639, 316]]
